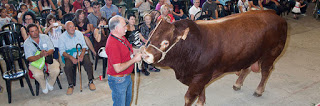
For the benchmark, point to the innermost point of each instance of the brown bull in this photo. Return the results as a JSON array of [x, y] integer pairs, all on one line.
[[201, 51]]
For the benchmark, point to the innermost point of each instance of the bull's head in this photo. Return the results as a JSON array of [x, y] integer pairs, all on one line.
[[162, 40]]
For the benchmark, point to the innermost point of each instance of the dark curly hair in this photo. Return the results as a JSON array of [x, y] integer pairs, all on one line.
[[28, 13]]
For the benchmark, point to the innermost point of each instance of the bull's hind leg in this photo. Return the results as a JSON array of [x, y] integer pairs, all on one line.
[[266, 67], [201, 98], [241, 78]]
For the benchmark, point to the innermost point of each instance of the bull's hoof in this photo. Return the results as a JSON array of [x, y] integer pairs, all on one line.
[[236, 88], [256, 94]]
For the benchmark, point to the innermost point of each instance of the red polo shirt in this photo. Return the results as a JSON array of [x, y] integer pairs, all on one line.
[[77, 5], [118, 53]]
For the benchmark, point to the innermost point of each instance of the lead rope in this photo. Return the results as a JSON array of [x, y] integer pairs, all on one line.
[[135, 84]]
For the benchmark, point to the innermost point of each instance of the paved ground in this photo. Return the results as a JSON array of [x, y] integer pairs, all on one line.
[[295, 80]]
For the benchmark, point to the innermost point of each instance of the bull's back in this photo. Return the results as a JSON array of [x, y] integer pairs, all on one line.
[[242, 39]]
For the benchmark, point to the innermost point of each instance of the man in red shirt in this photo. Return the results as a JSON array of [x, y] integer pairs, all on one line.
[[120, 62], [77, 5]]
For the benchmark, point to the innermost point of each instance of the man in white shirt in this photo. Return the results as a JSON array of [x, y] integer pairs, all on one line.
[[143, 6], [194, 9]]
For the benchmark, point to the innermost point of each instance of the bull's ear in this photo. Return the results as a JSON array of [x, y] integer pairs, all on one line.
[[185, 34]]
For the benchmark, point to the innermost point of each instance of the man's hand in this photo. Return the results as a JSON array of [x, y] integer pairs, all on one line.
[[74, 60], [113, 14], [43, 53], [80, 58], [137, 57]]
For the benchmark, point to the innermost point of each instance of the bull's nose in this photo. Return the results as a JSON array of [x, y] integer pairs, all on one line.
[[147, 57]]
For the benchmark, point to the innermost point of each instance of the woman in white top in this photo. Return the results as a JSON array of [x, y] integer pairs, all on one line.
[[46, 4], [54, 30], [194, 9], [243, 6]]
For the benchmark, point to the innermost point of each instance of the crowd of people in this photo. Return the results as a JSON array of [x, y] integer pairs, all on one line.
[[95, 26]]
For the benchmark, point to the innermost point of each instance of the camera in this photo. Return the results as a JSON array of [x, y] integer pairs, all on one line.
[[135, 40], [55, 24], [104, 26]]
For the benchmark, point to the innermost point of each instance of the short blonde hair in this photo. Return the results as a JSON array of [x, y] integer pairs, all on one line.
[[163, 7], [146, 15]]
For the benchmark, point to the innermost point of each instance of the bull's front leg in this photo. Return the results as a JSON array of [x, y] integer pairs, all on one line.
[[196, 88]]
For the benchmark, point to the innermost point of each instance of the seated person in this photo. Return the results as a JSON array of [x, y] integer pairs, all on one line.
[[54, 30], [243, 6], [194, 9], [46, 47], [67, 46], [94, 16], [46, 4], [23, 9], [165, 14], [255, 5], [210, 7], [11, 11], [5, 18], [271, 4], [109, 10], [28, 18], [145, 30], [143, 6], [177, 10], [101, 34], [32, 6], [82, 24]]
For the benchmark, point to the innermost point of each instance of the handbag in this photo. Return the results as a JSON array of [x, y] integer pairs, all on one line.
[[38, 63], [49, 58], [102, 52]]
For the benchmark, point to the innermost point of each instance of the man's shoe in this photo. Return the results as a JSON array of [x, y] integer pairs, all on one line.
[[49, 87], [145, 72], [45, 91], [92, 87], [70, 90]]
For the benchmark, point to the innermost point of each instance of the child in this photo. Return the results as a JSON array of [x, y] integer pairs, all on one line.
[[5, 18], [54, 30], [23, 9], [296, 9]]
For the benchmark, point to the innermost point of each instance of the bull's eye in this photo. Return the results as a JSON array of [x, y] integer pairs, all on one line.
[[164, 44]]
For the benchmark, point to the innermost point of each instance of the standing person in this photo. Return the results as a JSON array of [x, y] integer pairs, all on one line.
[[120, 62], [54, 30], [46, 4], [95, 16], [9, 7], [210, 7], [45, 45], [143, 6], [67, 46], [109, 10], [77, 4], [194, 9], [296, 9]]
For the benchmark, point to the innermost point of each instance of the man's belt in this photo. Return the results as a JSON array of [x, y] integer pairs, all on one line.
[[120, 75]]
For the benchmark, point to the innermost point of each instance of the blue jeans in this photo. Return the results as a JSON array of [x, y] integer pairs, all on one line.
[[121, 88]]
